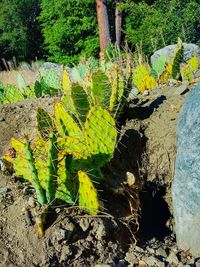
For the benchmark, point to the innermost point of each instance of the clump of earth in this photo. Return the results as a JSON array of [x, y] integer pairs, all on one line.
[[146, 150]]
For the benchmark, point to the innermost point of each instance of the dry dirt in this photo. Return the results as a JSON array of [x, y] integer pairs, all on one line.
[[147, 148]]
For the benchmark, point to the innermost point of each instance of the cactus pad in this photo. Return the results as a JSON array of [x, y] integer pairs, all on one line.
[[44, 123], [101, 89], [88, 199], [101, 134], [65, 123]]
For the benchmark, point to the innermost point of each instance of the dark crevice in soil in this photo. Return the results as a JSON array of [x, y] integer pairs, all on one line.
[[154, 213]]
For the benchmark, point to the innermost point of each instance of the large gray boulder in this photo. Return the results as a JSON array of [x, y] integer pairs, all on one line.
[[168, 51], [186, 184]]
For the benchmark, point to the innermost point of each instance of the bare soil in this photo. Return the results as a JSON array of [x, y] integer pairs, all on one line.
[[146, 148]]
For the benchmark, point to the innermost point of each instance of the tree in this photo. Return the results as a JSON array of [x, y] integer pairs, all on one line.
[[103, 24], [118, 23], [70, 29], [20, 32]]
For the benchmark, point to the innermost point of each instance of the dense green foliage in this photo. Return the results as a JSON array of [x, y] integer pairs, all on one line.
[[65, 30], [69, 28], [20, 34]]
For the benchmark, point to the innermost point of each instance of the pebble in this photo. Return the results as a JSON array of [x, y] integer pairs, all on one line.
[[161, 252], [182, 89], [3, 190], [172, 258], [197, 263], [84, 224]]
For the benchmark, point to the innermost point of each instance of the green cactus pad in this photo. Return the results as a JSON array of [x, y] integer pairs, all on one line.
[[52, 167], [101, 89], [80, 100], [65, 123], [51, 78], [12, 94], [178, 58], [20, 162], [159, 65], [65, 186], [73, 146], [21, 83], [44, 123], [101, 134], [88, 199]]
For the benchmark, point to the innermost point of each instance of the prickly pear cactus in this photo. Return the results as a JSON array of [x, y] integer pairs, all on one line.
[[140, 72], [101, 89], [44, 123], [193, 63], [51, 79], [101, 135], [80, 101], [186, 72], [65, 124], [12, 94], [88, 199], [159, 65], [178, 58], [142, 78]]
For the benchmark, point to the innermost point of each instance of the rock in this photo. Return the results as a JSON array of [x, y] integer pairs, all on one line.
[[60, 234], [121, 263], [186, 184], [182, 89], [197, 74], [142, 263], [133, 93], [3, 190], [172, 258], [152, 261], [84, 224], [161, 252], [168, 51], [197, 263], [31, 202]]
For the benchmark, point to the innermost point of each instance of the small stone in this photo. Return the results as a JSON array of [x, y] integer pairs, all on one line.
[[84, 224], [172, 82], [103, 265], [60, 234], [150, 250], [31, 202], [152, 261], [138, 249], [172, 258], [121, 263], [133, 93], [182, 89], [197, 74], [161, 252], [142, 263], [145, 93], [197, 263], [3, 190]]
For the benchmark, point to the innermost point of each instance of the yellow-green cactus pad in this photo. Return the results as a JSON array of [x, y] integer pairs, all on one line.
[[101, 134], [65, 123], [44, 123], [88, 199]]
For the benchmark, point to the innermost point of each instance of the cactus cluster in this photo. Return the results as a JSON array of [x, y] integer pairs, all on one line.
[[107, 89], [67, 155]]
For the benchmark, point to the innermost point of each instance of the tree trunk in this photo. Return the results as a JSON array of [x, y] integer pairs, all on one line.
[[103, 24], [118, 24]]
